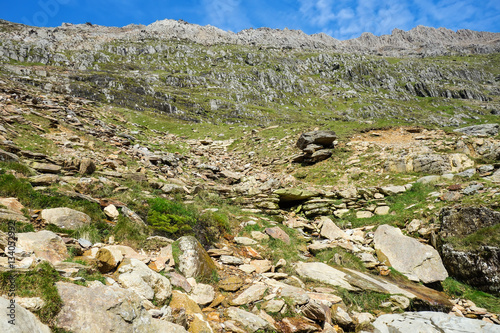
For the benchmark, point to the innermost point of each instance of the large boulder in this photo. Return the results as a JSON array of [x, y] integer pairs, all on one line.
[[65, 218], [137, 276], [480, 130], [19, 320], [321, 138], [417, 261], [45, 244], [193, 260], [432, 322], [102, 309]]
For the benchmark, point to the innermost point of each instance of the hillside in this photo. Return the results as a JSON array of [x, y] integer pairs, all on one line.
[[173, 178]]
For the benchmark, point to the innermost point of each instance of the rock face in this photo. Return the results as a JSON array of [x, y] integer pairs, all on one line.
[[478, 265], [24, 321], [194, 261], [437, 322], [101, 309], [45, 244], [480, 130], [407, 255], [65, 218]]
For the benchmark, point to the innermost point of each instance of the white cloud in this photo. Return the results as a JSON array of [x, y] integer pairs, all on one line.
[[226, 14]]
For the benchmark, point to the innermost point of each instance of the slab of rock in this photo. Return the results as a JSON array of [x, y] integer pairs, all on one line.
[[12, 204], [298, 295], [463, 221], [323, 273], [330, 230], [45, 244], [295, 194], [231, 260], [137, 276], [194, 261], [21, 319], [392, 190], [7, 214], [244, 241], [430, 322], [382, 210], [261, 266], [8, 157], [251, 322], [298, 325], [65, 218], [102, 308], [43, 180], [408, 256], [132, 216], [480, 130], [251, 294], [46, 167], [278, 233], [363, 214], [232, 283], [203, 294]]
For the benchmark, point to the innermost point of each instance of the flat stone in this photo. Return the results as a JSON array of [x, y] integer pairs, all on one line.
[[43, 180], [278, 233], [46, 167], [244, 241], [363, 214], [232, 283], [251, 294], [65, 218], [24, 320], [45, 244], [202, 294], [261, 266], [231, 260], [251, 322], [382, 210], [330, 230]]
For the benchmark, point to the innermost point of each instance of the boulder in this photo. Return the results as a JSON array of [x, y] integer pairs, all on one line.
[[108, 259], [65, 218], [295, 194], [182, 303], [103, 309], [43, 180], [322, 138], [479, 130], [278, 233], [407, 255], [463, 221], [12, 204], [45, 244], [87, 166], [202, 294], [111, 212], [21, 320], [137, 276], [251, 294], [193, 261], [430, 322], [232, 283], [330, 230]]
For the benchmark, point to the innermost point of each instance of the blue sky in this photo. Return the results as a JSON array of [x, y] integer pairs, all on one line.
[[341, 19]]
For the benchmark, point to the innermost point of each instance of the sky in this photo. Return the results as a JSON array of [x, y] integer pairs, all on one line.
[[341, 19]]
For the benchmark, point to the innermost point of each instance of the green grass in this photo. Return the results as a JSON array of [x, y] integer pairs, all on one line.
[[17, 167], [346, 258], [488, 236], [366, 301], [39, 282], [457, 289]]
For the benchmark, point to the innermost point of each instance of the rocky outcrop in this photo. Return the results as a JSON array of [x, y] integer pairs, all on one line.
[[316, 146], [480, 130], [407, 255], [477, 264], [193, 260]]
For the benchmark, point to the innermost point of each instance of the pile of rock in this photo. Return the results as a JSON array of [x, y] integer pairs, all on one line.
[[316, 146]]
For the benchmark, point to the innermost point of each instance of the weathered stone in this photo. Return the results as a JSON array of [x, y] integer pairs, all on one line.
[[407, 255], [340, 315], [65, 218], [232, 283], [298, 295], [12, 204], [480, 130], [330, 230], [363, 214], [278, 233], [132, 216], [137, 276], [7, 214], [322, 138], [430, 322], [8, 157], [111, 211], [323, 273], [102, 309], [108, 259], [261, 266], [244, 241], [298, 325], [87, 166], [194, 261], [45, 244], [21, 320], [202, 294], [295, 194], [274, 306], [251, 322], [46, 167], [43, 180], [392, 190], [315, 311], [382, 210], [231, 260], [463, 221], [251, 294]]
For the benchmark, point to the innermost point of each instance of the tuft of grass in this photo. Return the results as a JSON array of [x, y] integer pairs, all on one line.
[[488, 236], [346, 259], [17, 167], [366, 301], [129, 233]]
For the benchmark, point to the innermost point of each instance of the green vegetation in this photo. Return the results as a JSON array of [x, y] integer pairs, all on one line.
[[488, 236], [460, 290], [339, 257], [366, 301], [39, 282], [170, 218]]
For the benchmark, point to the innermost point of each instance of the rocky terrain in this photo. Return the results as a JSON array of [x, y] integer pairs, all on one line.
[[175, 178]]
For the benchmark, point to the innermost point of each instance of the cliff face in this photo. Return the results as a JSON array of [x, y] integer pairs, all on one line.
[[263, 75]]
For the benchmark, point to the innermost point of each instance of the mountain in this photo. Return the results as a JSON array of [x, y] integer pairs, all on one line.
[[175, 178]]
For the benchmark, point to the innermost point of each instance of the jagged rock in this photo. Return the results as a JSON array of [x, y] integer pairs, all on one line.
[[137, 276], [480, 130], [340, 315], [323, 138], [251, 294], [429, 322], [182, 303], [8, 157], [298, 325], [108, 259], [261, 266], [463, 221], [330, 230], [407, 255], [278, 233], [251, 322], [12, 204], [232, 283], [202, 294], [194, 261], [87, 166], [19, 320], [315, 311], [45, 244], [132, 216], [102, 309], [65, 218]]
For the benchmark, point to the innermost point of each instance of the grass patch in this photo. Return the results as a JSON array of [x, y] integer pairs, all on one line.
[[366, 301], [456, 289], [17, 167], [488, 236], [340, 257], [39, 282]]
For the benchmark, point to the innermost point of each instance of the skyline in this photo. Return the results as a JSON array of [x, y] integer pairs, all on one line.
[[340, 19]]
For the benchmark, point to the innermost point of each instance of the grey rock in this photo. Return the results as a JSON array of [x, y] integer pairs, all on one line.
[[249, 321], [24, 321], [194, 261], [8, 157], [480, 130], [321, 138], [432, 322], [65, 218]]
